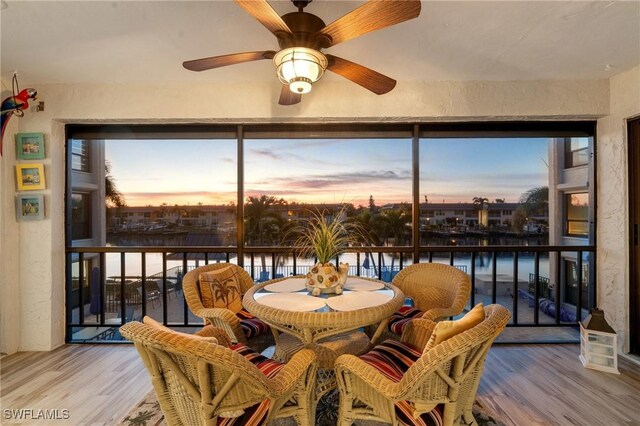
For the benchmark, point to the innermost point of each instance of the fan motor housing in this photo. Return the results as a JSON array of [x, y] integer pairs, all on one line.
[[305, 27]]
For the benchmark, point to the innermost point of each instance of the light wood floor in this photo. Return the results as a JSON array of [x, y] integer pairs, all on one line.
[[521, 385]]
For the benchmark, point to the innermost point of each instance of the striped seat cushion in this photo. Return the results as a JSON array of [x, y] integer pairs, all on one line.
[[256, 414], [267, 366], [251, 326], [393, 359], [400, 319]]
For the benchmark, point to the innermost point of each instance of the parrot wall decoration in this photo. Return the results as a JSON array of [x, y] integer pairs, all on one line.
[[15, 105]]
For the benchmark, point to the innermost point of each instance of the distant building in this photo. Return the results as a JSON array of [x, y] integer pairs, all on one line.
[[210, 217]]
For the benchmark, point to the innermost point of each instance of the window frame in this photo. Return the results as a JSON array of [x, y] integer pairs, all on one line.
[[86, 156], [570, 155], [256, 129], [565, 216]]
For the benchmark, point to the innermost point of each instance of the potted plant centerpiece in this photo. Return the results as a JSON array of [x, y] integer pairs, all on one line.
[[325, 239]]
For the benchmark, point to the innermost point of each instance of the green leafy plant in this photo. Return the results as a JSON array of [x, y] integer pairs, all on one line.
[[324, 238]]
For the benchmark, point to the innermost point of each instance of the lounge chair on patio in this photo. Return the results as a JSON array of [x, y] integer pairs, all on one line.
[[401, 381], [438, 291], [222, 307], [200, 380]]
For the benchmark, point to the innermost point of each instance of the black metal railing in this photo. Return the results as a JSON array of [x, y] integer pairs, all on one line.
[[99, 302]]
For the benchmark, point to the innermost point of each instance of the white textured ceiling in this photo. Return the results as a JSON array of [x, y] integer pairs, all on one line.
[[147, 41]]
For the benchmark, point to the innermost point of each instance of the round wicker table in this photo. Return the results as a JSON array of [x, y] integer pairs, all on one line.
[[353, 327]]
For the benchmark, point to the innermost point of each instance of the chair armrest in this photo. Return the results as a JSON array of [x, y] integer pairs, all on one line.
[[297, 367], [352, 365], [221, 313], [219, 334], [225, 319], [437, 314], [418, 332]]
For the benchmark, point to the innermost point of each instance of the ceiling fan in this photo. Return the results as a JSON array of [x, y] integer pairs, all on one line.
[[302, 36]]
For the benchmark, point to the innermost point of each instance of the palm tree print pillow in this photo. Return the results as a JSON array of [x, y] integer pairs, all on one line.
[[221, 289]]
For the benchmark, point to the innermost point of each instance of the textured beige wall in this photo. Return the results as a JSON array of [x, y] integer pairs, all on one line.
[[613, 203], [41, 245], [9, 241]]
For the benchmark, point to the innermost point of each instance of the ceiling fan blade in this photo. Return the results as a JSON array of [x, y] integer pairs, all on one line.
[[287, 97], [371, 16], [224, 60], [264, 13], [365, 77]]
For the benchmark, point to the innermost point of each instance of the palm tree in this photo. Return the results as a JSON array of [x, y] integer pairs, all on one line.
[[397, 226], [480, 201], [262, 223], [113, 197]]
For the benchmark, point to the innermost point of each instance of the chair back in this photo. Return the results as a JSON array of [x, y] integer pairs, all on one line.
[[196, 380], [435, 286], [451, 370], [191, 281]]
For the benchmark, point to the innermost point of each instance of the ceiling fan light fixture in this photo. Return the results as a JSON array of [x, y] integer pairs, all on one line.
[[299, 67]]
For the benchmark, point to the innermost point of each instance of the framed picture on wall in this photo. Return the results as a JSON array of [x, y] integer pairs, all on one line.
[[30, 177], [29, 207], [29, 146]]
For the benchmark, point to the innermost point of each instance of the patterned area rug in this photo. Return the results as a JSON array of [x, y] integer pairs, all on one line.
[[148, 413]]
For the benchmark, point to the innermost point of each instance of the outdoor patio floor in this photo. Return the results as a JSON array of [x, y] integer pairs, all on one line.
[[521, 385]]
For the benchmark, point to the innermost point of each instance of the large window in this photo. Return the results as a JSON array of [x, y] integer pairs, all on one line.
[[287, 179], [172, 190], [484, 191], [419, 189]]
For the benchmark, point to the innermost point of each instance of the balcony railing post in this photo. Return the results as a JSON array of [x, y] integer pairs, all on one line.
[[164, 288], [494, 277], [123, 300], [557, 286], [536, 289], [473, 279], [103, 273], [143, 265], [514, 313], [580, 283], [184, 299], [80, 288]]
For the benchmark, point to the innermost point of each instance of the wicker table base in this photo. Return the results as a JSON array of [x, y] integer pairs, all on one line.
[[327, 351]]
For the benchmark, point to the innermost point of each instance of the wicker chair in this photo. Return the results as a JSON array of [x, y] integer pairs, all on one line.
[[441, 381], [437, 290], [197, 381], [241, 328]]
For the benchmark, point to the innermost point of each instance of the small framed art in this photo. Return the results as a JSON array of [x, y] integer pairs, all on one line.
[[29, 146], [30, 177], [30, 207]]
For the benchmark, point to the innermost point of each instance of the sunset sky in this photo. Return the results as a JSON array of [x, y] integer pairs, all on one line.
[[319, 170]]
